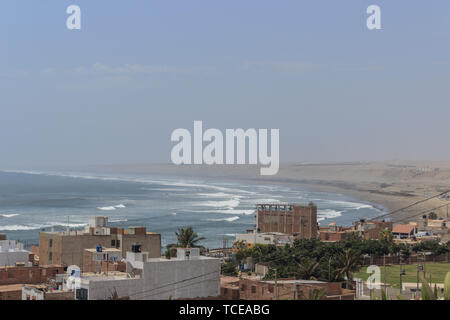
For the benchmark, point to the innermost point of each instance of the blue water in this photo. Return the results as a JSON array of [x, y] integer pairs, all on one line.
[[217, 209]]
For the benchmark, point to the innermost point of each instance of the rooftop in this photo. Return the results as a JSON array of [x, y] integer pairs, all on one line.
[[403, 228]]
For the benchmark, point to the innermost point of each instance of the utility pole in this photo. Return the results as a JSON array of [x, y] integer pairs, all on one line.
[[276, 284], [402, 272], [384, 262]]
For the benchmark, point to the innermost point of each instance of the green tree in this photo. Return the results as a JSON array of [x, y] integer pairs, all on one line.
[[308, 269], [229, 269], [349, 261], [432, 215], [187, 238]]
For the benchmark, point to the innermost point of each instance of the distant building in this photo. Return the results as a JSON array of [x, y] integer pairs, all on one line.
[[333, 233], [31, 275], [68, 247], [282, 289], [371, 229], [404, 231], [43, 292], [11, 292], [250, 239], [299, 221], [187, 276], [103, 260], [12, 253], [437, 227]]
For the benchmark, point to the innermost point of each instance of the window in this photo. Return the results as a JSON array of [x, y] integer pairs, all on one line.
[[50, 257], [81, 294], [243, 287], [117, 243], [50, 243], [113, 243], [271, 288], [253, 289]]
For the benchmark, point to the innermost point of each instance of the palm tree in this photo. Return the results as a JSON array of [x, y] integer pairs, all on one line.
[[349, 262], [317, 294], [187, 238], [386, 236], [308, 269]]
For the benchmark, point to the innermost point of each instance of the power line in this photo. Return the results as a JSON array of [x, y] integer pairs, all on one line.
[[423, 212], [174, 283], [411, 205]]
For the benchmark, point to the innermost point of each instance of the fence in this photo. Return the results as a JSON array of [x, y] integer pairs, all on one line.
[[415, 258]]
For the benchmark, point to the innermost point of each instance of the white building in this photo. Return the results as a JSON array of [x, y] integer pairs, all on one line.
[[275, 238], [189, 275], [12, 252]]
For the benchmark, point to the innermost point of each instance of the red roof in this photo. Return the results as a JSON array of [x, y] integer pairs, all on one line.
[[403, 228]]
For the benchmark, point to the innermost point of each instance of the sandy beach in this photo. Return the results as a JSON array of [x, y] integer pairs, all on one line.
[[391, 185]]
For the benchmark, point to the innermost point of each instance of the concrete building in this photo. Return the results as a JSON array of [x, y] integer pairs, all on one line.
[[12, 252], [43, 292], [103, 260], [68, 247], [404, 231], [187, 276], [252, 238], [11, 292], [333, 233], [31, 275], [371, 229], [296, 220], [282, 289]]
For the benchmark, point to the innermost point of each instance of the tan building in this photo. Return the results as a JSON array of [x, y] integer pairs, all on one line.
[[67, 247], [292, 219], [333, 233], [283, 289], [103, 260], [371, 229]]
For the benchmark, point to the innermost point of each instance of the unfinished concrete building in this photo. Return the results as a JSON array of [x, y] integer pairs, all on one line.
[[67, 247], [297, 220]]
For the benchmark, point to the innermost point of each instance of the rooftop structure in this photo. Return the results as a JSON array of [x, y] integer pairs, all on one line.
[[250, 239], [67, 247], [189, 275], [12, 253], [296, 220]]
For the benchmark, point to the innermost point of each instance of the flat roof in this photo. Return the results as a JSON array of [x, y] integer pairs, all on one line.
[[296, 281], [103, 250]]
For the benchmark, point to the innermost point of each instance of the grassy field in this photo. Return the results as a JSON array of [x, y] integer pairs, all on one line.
[[437, 271]]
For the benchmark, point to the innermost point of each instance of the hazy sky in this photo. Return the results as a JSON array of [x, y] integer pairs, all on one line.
[[114, 91]]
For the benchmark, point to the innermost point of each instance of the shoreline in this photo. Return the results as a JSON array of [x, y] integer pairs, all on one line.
[[389, 185]]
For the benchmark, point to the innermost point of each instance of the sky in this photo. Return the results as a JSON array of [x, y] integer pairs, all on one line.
[[113, 92]]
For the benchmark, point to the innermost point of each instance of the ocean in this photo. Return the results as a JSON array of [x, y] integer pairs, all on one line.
[[217, 209]]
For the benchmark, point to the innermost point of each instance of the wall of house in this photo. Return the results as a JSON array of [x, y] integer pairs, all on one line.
[[69, 250]]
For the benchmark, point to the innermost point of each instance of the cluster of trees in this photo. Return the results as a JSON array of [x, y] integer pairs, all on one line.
[[313, 259], [186, 238]]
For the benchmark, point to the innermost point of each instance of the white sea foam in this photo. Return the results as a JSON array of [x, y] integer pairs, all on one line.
[[231, 219], [349, 204], [110, 208], [9, 215], [329, 213], [16, 227], [230, 204], [118, 220], [234, 211]]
